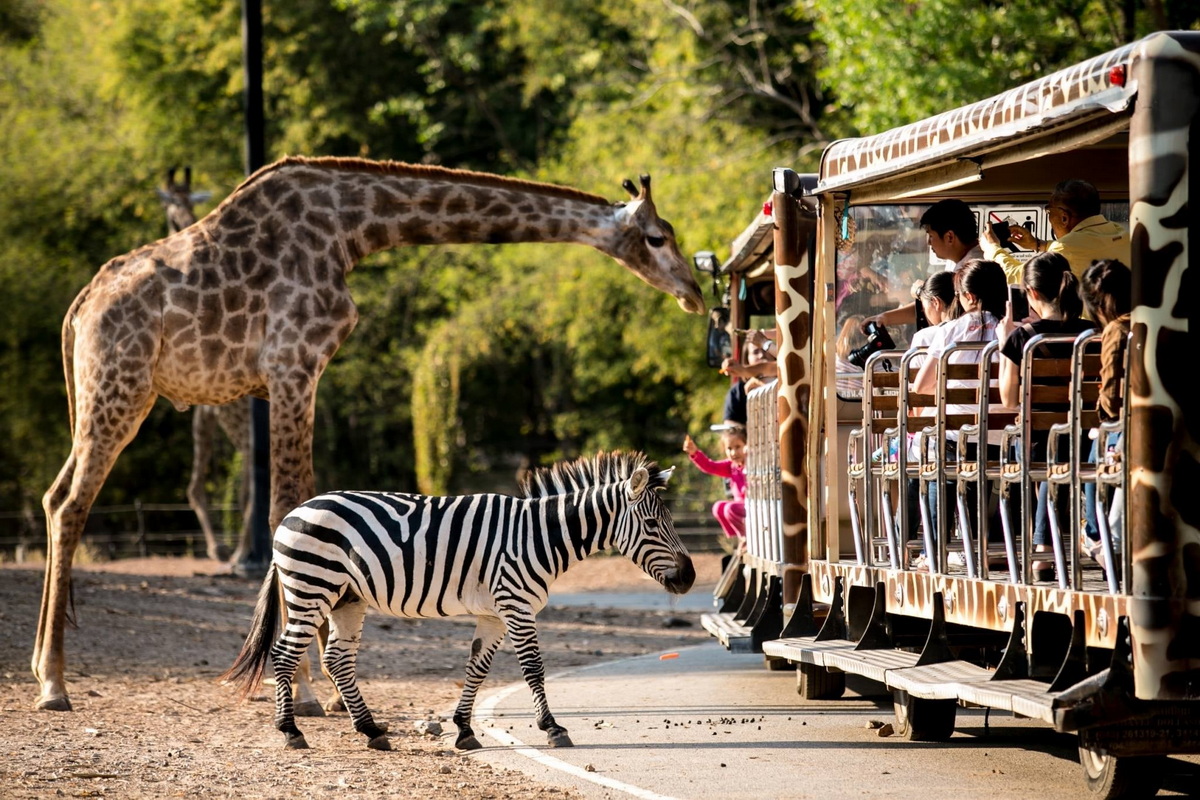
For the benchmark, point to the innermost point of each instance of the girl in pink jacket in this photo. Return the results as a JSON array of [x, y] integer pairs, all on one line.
[[730, 513]]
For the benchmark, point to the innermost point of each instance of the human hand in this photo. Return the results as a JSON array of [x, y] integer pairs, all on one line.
[[876, 318], [756, 338], [1007, 325], [1022, 236], [989, 236], [689, 446]]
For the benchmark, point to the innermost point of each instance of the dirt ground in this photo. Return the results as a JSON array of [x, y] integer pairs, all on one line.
[[151, 720]]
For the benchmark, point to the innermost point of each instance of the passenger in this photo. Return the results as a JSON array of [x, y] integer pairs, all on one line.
[[1082, 234], [758, 368], [953, 234], [731, 514], [980, 295], [1052, 292], [936, 296], [1106, 295]]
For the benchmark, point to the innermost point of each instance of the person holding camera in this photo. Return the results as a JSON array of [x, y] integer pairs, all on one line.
[[1082, 234], [953, 236]]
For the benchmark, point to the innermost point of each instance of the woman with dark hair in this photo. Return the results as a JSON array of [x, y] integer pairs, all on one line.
[[980, 295], [1107, 297], [979, 304], [1052, 291]]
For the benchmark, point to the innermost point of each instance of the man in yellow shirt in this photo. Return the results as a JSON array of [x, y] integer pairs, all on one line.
[[1081, 233]]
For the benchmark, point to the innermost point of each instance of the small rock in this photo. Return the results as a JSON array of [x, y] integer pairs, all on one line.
[[429, 727], [886, 731], [588, 768], [93, 693], [873, 724], [444, 769]]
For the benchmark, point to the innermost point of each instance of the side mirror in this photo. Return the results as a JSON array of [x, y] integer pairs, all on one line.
[[720, 345]]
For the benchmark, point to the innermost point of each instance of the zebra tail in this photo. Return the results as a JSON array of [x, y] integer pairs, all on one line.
[[247, 670]]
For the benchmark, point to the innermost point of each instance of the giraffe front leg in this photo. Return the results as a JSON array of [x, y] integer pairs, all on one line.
[[293, 393], [489, 633], [522, 630]]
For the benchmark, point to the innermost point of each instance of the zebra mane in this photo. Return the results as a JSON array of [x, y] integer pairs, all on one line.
[[602, 469]]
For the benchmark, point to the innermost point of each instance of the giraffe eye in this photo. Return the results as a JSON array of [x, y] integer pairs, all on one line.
[[656, 241]]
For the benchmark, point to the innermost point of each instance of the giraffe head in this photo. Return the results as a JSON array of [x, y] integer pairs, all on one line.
[[179, 200], [646, 246]]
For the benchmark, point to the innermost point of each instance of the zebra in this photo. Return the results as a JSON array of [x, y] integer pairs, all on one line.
[[488, 555]]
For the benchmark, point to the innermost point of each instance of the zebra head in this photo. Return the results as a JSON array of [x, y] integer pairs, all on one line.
[[646, 534]]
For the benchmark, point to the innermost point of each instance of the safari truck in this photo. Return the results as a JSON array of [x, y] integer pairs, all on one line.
[[841, 572]]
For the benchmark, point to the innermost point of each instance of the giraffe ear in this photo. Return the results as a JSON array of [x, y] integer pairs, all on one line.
[[637, 484], [629, 186]]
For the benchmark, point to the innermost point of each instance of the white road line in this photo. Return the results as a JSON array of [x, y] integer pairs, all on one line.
[[486, 713]]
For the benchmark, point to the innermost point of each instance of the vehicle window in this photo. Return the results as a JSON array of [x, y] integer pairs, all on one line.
[[882, 254]]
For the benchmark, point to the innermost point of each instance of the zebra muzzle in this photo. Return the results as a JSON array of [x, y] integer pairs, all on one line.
[[681, 578]]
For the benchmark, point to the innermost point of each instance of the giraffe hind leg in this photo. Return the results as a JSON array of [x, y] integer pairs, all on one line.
[[489, 633], [340, 660]]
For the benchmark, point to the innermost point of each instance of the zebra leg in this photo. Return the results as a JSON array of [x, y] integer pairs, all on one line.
[[286, 653], [340, 660], [522, 629], [489, 633]]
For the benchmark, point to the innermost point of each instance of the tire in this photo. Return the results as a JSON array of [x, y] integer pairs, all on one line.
[[817, 683], [1111, 777], [776, 664], [920, 720]]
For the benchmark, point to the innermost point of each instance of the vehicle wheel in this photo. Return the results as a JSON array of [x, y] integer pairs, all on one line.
[[776, 664], [1111, 777], [817, 683], [920, 720]]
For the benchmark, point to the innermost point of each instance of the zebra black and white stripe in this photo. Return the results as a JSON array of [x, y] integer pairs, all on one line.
[[488, 555]]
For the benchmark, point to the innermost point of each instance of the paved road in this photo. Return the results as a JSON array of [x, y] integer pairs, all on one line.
[[709, 724]]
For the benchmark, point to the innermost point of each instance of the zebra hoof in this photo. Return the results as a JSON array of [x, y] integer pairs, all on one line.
[[335, 704], [561, 740], [296, 742], [468, 743], [309, 708], [380, 742]]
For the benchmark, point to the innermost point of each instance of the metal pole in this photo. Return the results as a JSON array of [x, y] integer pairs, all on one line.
[[255, 561]]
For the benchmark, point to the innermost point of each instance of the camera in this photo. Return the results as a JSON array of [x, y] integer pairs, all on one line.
[[877, 339]]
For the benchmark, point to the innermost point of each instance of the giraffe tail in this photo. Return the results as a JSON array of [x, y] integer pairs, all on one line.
[[247, 669], [68, 352]]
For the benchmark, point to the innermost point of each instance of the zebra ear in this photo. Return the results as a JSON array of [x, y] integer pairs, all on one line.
[[637, 484], [664, 475]]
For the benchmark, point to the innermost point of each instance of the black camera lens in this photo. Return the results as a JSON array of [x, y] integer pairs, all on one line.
[[878, 339]]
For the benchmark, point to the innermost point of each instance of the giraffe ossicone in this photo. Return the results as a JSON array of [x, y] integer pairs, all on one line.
[[253, 300]]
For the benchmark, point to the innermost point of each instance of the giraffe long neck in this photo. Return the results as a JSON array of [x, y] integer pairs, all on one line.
[[368, 210]]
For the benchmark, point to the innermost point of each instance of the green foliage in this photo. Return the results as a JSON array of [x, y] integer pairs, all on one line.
[[468, 362]]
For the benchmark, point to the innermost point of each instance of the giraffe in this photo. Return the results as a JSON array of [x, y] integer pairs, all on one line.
[[233, 419], [252, 300]]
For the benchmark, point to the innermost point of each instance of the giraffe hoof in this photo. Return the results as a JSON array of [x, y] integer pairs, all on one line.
[[561, 740], [380, 742], [309, 708], [335, 704], [60, 703], [296, 742], [468, 743]]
